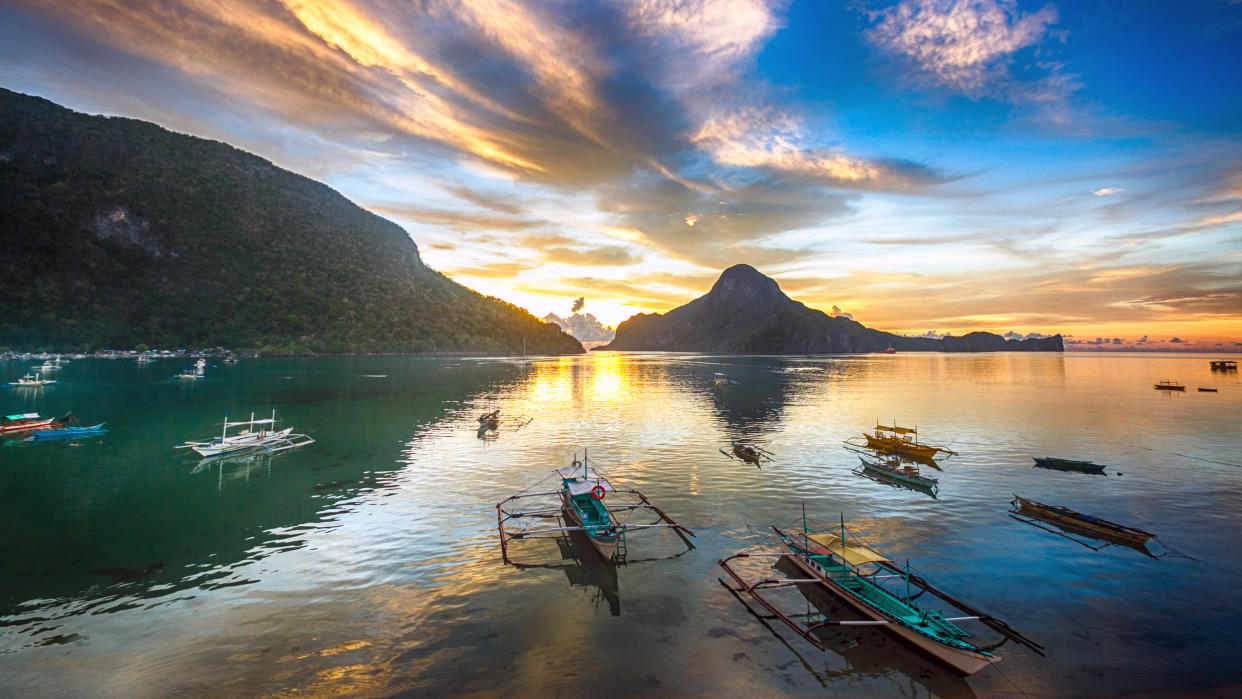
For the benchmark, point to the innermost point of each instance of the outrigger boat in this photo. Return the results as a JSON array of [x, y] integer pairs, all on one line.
[[864, 579], [748, 452], [1054, 463], [1167, 385], [71, 432], [491, 419], [581, 494], [892, 471], [24, 422], [891, 439], [722, 380], [1073, 522], [187, 374], [258, 435], [31, 380]]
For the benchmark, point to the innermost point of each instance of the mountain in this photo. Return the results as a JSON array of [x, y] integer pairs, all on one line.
[[747, 313], [117, 232]]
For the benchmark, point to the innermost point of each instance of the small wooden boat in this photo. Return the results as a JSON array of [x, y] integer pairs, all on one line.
[[892, 439], [491, 419], [1209, 390], [894, 472], [1224, 365], [259, 434], [1058, 464], [1167, 385], [581, 505], [24, 422], [187, 374], [878, 591], [1084, 524], [71, 432]]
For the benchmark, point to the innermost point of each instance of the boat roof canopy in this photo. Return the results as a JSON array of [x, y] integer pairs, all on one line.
[[22, 416], [584, 487], [853, 554], [896, 429]]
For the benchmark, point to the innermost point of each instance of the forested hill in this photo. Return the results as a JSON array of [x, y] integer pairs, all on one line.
[[747, 313], [117, 232]]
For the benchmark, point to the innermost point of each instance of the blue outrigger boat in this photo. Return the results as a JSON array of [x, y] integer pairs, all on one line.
[[71, 432], [581, 494], [864, 579]]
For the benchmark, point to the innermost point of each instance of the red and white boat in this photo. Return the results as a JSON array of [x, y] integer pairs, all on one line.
[[25, 421]]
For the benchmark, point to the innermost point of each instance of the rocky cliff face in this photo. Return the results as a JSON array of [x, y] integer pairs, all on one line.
[[746, 312]]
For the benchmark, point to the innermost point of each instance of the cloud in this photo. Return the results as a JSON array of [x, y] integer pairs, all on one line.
[[838, 313], [968, 46], [1107, 191], [604, 256], [454, 220]]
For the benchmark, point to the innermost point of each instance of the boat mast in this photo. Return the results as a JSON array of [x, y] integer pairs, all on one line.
[[843, 559]]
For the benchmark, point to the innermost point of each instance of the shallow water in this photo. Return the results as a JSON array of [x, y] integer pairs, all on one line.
[[369, 562]]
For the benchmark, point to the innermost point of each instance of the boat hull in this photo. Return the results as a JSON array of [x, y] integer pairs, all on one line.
[[604, 545], [879, 472], [1136, 539], [921, 451], [71, 432], [26, 426], [1068, 464], [963, 661], [241, 443]]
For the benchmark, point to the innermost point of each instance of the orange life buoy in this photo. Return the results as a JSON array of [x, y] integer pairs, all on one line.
[[598, 492]]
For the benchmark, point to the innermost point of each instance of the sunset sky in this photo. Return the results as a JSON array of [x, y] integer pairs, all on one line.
[[923, 165]]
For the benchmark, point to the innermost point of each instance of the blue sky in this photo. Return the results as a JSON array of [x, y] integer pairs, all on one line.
[[924, 165]]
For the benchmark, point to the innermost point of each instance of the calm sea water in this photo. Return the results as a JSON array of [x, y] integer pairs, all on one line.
[[369, 563]]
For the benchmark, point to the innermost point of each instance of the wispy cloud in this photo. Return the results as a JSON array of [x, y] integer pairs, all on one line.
[[1107, 191], [968, 46]]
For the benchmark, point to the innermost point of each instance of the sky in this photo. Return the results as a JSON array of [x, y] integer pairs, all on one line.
[[922, 165]]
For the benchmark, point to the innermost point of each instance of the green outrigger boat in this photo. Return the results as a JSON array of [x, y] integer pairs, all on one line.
[[877, 591], [578, 502]]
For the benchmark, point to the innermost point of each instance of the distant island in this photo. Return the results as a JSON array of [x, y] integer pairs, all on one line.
[[747, 313], [118, 233]]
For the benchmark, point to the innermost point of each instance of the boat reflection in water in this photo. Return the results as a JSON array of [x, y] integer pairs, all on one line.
[[584, 569], [240, 466]]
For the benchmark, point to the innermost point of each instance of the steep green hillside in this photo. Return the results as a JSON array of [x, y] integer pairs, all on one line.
[[117, 232]]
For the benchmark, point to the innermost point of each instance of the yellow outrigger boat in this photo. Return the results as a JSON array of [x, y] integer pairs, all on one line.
[[891, 439]]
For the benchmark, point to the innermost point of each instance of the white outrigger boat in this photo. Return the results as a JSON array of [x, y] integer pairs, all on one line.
[[259, 434], [32, 380]]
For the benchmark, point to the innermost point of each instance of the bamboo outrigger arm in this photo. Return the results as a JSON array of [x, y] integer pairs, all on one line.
[[797, 628], [997, 625]]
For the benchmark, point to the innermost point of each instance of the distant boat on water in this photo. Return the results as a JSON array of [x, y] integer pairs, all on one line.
[[31, 380], [1055, 463], [1167, 385]]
